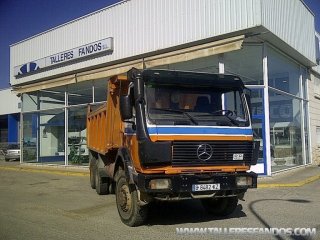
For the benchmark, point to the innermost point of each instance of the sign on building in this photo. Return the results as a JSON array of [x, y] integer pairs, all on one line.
[[101, 46]]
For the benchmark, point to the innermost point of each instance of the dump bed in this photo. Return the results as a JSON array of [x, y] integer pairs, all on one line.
[[104, 125]]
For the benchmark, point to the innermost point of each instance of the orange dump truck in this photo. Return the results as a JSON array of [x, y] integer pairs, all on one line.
[[169, 136]]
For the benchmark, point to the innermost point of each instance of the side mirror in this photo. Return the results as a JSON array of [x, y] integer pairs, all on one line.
[[125, 108], [248, 98]]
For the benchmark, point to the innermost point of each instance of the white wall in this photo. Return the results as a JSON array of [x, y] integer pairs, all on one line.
[[314, 97], [143, 26], [292, 22], [8, 102], [137, 27]]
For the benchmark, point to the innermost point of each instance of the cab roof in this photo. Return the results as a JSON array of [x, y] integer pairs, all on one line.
[[192, 79]]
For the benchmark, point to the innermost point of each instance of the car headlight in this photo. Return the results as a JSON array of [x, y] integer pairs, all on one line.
[[244, 181], [161, 183]]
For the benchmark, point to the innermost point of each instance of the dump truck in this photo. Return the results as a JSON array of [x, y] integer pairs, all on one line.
[[170, 136]]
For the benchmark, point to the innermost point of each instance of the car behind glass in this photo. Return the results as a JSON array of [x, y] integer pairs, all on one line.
[[12, 152]]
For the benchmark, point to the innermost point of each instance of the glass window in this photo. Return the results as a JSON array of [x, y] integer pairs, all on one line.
[[100, 90], [305, 78], [234, 103], [30, 101], [257, 127], [285, 132], [283, 73], [316, 87], [52, 136], [3, 130], [306, 131], [77, 140], [258, 120], [29, 139], [52, 98], [196, 106], [280, 82], [80, 93], [256, 101], [246, 63]]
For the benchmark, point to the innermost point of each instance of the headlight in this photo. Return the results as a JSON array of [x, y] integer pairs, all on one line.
[[244, 181], [162, 183]]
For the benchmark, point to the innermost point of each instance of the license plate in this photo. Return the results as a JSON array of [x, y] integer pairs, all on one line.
[[238, 156], [205, 187]]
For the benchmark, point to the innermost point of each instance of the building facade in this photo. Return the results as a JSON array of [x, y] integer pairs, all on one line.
[[314, 99], [269, 44], [9, 118]]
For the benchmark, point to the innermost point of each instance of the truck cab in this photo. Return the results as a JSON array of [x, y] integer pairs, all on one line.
[[183, 135]]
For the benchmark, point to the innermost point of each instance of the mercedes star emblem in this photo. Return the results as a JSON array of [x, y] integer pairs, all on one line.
[[204, 152]]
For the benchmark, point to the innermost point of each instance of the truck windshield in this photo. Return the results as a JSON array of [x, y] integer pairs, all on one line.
[[178, 105]]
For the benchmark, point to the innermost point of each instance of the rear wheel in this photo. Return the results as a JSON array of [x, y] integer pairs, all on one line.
[[93, 178], [92, 168], [112, 187], [220, 206], [102, 183], [131, 213]]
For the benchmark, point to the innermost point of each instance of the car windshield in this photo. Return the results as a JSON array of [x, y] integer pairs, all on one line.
[[168, 105]]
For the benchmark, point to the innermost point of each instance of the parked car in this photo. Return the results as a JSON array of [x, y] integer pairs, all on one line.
[[12, 152]]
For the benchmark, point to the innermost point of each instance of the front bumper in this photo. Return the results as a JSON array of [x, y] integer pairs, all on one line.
[[12, 156], [182, 184]]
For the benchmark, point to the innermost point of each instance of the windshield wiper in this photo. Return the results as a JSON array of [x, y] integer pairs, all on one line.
[[233, 120], [228, 114], [178, 111]]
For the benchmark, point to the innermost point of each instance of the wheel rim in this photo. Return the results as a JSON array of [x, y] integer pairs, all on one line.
[[124, 198]]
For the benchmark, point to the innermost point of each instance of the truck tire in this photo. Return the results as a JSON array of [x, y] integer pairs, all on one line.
[[112, 187], [92, 178], [92, 169], [102, 183], [220, 206], [130, 212]]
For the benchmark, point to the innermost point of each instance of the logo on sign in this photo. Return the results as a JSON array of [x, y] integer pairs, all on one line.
[[28, 67]]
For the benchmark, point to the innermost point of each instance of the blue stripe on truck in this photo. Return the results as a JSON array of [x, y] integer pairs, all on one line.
[[199, 130]]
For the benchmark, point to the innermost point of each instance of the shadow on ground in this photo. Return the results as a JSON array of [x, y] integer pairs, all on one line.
[[189, 211], [265, 222]]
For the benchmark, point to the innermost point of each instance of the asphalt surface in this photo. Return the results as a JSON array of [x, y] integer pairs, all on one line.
[[35, 205]]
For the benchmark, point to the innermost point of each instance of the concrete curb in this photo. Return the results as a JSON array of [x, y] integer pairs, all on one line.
[[285, 185], [53, 171]]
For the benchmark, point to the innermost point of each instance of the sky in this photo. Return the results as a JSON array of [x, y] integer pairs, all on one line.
[[20, 19]]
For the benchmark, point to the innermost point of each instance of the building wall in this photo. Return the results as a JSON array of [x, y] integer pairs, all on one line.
[[137, 27], [291, 21], [143, 26], [9, 102], [314, 97]]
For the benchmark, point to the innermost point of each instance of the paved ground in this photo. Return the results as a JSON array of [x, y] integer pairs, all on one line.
[[35, 205]]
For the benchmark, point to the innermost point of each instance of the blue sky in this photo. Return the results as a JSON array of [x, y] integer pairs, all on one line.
[[20, 19]]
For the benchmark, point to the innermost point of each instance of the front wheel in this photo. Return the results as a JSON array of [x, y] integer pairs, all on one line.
[[220, 206], [131, 213]]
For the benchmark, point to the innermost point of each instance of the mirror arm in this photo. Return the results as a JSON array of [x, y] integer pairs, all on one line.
[[131, 122]]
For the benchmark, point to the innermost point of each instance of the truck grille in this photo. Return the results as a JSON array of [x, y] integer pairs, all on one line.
[[185, 153]]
